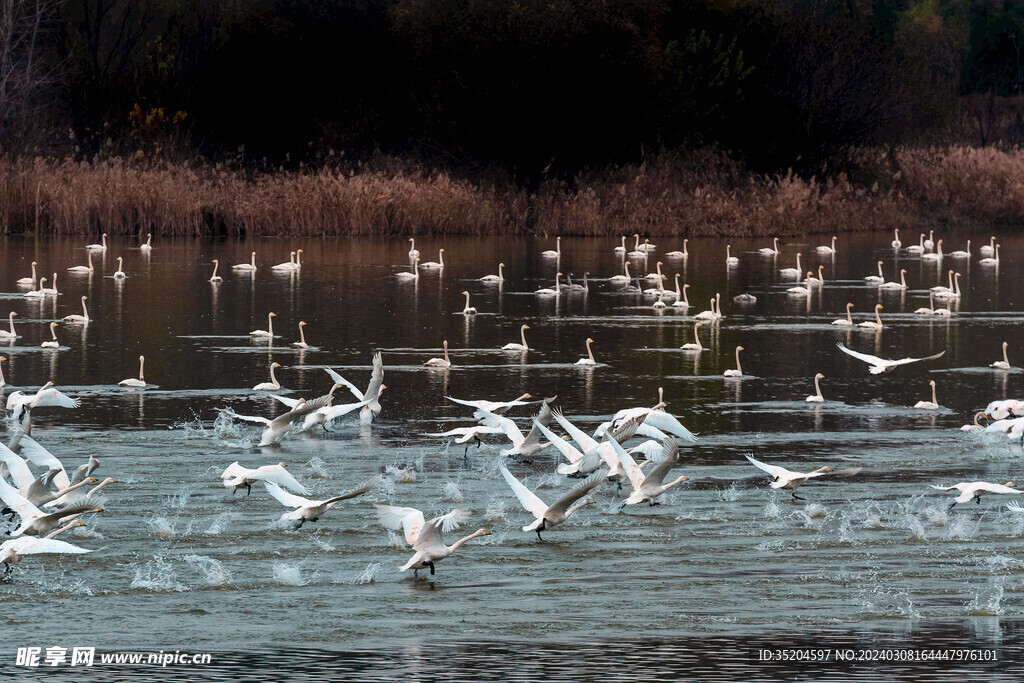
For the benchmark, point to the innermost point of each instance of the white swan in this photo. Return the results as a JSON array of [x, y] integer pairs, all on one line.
[[944, 288], [685, 253], [695, 345], [901, 285], [929, 243], [829, 249], [787, 479], [792, 272], [119, 274], [500, 277], [83, 269], [34, 521], [77, 496], [949, 295], [3, 382], [934, 255], [556, 252], [973, 490], [496, 407], [820, 280], [425, 537], [646, 246], [547, 516], [414, 274], [991, 261], [917, 248], [307, 510], [660, 303], [1003, 364], [655, 276], [589, 360], [988, 249], [372, 392], [929, 405], [962, 253], [440, 362], [49, 291], [806, 290], [236, 477], [738, 372], [896, 244], [817, 397], [848, 320], [647, 488], [435, 264], [876, 278], [102, 246], [875, 324], [681, 299], [273, 384], [45, 396], [14, 550], [131, 381], [286, 266], [37, 293], [930, 310], [215, 277], [521, 445], [269, 332], [621, 249], [52, 343], [547, 291], [247, 267], [74, 317], [622, 279], [467, 309], [28, 280], [512, 346], [881, 365], [4, 334], [730, 260], [770, 251], [976, 426], [710, 314], [301, 344], [326, 413], [414, 253], [148, 244]]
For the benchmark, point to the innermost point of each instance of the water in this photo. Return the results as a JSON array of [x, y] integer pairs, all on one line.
[[724, 566]]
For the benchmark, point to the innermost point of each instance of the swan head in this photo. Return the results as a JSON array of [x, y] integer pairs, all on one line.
[[819, 376], [34, 263], [1010, 484], [465, 292], [526, 327], [273, 315], [442, 250], [931, 383], [83, 299], [282, 464], [275, 364], [501, 265], [879, 307], [214, 261], [740, 348], [590, 341], [410, 239], [302, 323]]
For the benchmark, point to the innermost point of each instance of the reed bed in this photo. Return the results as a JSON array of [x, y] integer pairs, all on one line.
[[704, 192]]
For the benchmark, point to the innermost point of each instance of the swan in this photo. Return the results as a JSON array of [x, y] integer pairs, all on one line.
[[4, 334], [215, 277], [876, 278], [52, 343], [917, 248], [269, 332], [467, 309], [875, 324], [996, 409], [37, 293], [882, 365], [929, 243], [372, 392], [944, 288], [46, 396], [730, 260], [948, 295], [435, 264], [934, 255], [929, 405], [652, 422], [647, 488], [119, 274], [711, 314], [550, 516], [49, 291], [962, 253], [655, 276], [83, 269], [946, 312], [327, 413], [695, 345], [685, 253], [792, 272], [75, 318], [28, 280], [440, 362], [646, 246], [896, 244], [988, 249], [148, 244], [13, 551], [806, 290], [34, 521], [98, 247], [547, 291], [286, 266], [77, 496], [738, 372], [500, 277], [593, 453], [236, 477], [3, 382], [512, 346], [990, 261], [848, 320], [574, 287], [976, 426], [817, 397], [770, 251], [132, 382], [659, 303], [301, 344], [820, 280], [681, 300], [930, 310], [496, 407], [273, 384], [556, 252], [973, 490], [307, 510], [521, 445], [247, 267], [622, 279], [469, 434], [787, 479], [274, 430], [298, 259], [621, 249], [901, 285], [827, 250], [1003, 364], [414, 253], [589, 360], [425, 537], [412, 275]]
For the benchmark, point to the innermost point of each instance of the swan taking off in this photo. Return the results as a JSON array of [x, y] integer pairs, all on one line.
[[512, 346], [521, 445], [15, 549], [269, 332], [496, 407], [132, 382], [647, 488], [817, 397], [974, 490], [881, 365], [589, 360], [373, 390], [273, 384], [425, 537], [929, 405], [738, 372], [548, 517], [1003, 364], [440, 362], [787, 479], [34, 521], [307, 510], [18, 402], [247, 267], [274, 430], [236, 477]]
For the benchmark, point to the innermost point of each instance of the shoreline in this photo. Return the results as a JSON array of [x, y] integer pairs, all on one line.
[[700, 193]]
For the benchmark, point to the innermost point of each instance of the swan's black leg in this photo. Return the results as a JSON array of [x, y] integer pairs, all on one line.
[[952, 506], [479, 443], [796, 497], [431, 565], [248, 489]]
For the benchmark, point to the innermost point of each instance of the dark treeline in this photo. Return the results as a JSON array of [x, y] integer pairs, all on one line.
[[532, 88]]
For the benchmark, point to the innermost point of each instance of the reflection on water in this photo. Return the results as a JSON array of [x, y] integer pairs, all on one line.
[[723, 565]]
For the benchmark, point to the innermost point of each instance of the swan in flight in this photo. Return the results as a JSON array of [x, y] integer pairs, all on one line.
[[34, 521], [580, 462], [730, 260], [273, 384], [414, 253], [469, 434], [29, 280], [322, 416], [269, 332], [685, 253], [440, 362], [74, 318], [275, 429], [47, 396], [83, 269], [236, 477], [500, 277], [14, 550], [902, 284], [414, 274], [647, 488], [148, 244], [695, 345], [738, 372], [991, 261], [787, 479], [496, 407], [215, 277], [4, 334], [467, 309], [975, 489], [950, 295], [589, 360], [119, 273], [829, 249], [997, 410], [934, 255], [621, 279], [512, 346], [875, 324], [929, 405], [988, 249], [131, 381], [521, 445], [556, 252], [882, 365], [547, 291], [770, 251], [917, 248], [1003, 364], [102, 246], [550, 516], [896, 244], [792, 272], [873, 279], [962, 253], [848, 320], [426, 537], [301, 344], [976, 426], [247, 267], [69, 496], [817, 397], [52, 343], [373, 389], [307, 510], [435, 264]]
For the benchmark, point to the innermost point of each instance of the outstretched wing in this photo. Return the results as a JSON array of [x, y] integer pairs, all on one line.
[[376, 379], [773, 470], [21, 475], [53, 397], [290, 402], [668, 422], [869, 359], [904, 361], [280, 476], [588, 485], [527, 498], [410, 520], [38, 455], [334, 412], [562, 445], [430, 535], [27, 545], [287, 499], [13, 499], [633, 471], [338, 379], [244, 418], [669, 459], [503, 423], [942, 488], [365, 487], [998, 488], [585, 442]]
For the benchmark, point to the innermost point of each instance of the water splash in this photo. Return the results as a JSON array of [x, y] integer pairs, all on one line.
[[156, 575], [450, 492], [729, 495], [318, 466], [987, 601], [288, 574], [212, 570], [164, 527], [219, 524], [889, 602]]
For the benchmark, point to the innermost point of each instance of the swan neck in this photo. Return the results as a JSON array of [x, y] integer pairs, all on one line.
[[462, 541], [522, 335], [590, 353], [142, 363], [739, 368], [302, 334], [817, 387]]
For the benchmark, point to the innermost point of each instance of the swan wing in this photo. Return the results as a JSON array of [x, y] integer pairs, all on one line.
[[943, 488], [636, 475], [669, 459], [564, 447], [29, 545], [527, 498], [472, 404], [488, 419], [13, 499], [904, 361], [290, 402], [287, 499], [651, 449], [255, 419], [234, 470], [867, 358], [410, 520], [997, 488], [668, 422], [38, 455], [430, 535], [53, 397], [280, 476], [773, 470], [21, 475], [1015, 507], [585, 442], [365, 487], [543, 418], [376, 379], [628, 429], [588, 485], [338, 379], [334, 412]]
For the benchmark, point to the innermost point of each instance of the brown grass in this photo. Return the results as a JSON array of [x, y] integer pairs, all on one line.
[[699, 193]]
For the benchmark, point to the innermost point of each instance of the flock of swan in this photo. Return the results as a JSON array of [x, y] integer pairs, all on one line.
[[44, 503]]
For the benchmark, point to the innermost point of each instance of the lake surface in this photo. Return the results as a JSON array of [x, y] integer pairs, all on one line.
[[723, 567]]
